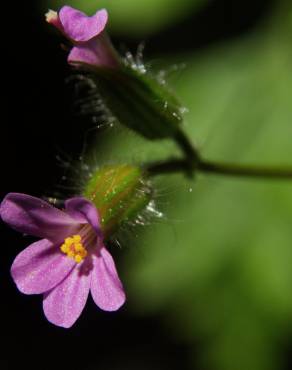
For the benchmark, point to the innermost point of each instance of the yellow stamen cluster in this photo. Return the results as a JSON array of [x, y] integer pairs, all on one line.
[[74, 248]]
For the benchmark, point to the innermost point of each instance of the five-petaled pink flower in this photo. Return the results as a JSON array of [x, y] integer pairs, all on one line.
[[69, 261], [91, 44]]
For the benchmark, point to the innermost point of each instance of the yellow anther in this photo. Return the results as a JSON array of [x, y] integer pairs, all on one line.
[[78, 258], [68, 241], [74, 248], [83, 253], [64, 248], [76, 238], [78, 247]]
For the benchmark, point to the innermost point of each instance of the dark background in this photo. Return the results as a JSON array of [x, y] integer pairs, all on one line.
[[38, 124]]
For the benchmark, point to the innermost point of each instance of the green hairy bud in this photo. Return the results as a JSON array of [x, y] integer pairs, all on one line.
[[139, 102], [119, 193]]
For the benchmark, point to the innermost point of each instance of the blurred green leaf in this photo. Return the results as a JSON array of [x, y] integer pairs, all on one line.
[[136, 18], [220, 264]]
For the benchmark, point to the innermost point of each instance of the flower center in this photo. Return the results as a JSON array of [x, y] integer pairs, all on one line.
[[74, 248]]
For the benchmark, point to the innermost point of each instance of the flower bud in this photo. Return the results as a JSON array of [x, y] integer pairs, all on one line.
[[120, 193], [137, 100]]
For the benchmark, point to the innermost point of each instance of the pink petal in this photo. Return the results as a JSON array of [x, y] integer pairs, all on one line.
[[84, 54], [97, 52], [106, 287], [36, 217], [84, 211], [64, 304], [79, 27], [40, 267]]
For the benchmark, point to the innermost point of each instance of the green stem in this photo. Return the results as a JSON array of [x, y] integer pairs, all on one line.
[[190, 152], [194, 163], [226, 169], [245, 170]]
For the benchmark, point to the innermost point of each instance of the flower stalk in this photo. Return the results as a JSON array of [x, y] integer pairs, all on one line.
[[139, 101], [218, 168]]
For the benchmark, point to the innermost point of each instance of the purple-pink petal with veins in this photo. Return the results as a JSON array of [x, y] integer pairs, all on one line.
[[36, 217], [64, 304], [79, 27], [40, 267], [106, 288], [84, 211]]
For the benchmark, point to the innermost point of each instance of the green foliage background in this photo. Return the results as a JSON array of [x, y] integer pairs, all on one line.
[[219, 265]]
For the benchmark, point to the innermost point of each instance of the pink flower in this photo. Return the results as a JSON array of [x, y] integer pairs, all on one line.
[[91, 44], [69, 261]]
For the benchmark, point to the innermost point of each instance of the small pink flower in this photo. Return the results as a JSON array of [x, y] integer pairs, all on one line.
[[91, 44], [69, 261]]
